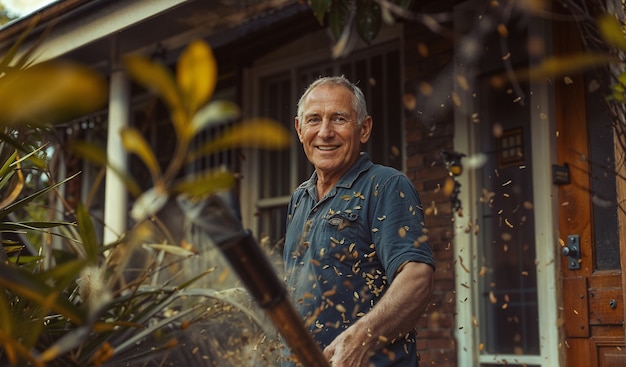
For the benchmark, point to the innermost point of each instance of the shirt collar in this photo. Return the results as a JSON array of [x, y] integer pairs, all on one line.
[[362, 164]]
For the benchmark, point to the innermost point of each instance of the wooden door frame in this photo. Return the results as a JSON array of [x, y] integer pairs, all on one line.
[[620, 166], [576, 207]]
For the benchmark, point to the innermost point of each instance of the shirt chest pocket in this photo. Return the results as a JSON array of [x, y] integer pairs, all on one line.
[[341, 231]]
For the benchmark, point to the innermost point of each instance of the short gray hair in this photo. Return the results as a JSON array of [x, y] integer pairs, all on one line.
[[358, 102]]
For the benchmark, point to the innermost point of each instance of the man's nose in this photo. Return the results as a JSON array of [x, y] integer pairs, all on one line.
[[326, 128]]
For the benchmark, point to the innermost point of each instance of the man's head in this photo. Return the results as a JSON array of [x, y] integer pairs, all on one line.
[[332, 123], [360, 106]]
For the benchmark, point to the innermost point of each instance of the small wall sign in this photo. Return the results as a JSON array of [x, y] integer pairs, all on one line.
[[560, 174]]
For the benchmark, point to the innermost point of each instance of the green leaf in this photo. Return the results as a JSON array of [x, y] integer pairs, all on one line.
[[30, 154], [339, 12], [15, 190], [6, 167], [134, 142], [6, 316], [205, 184], [622, 79], [403, 3], [27, 285], [197, 75], [50, 92], [87, 233], [30, 225], [7, 172], [24, 201], [25, 260], [320, 7], [5, 179], [63, 274], [152, 327], [11, 141], [612, 31], [70, 340], [368, 20]]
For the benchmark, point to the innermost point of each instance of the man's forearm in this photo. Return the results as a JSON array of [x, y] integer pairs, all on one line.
[[400, 309]]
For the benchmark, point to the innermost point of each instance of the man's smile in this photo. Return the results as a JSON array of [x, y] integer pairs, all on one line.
[[327, 147]]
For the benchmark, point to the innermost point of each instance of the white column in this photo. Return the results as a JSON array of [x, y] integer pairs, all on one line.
[[116, 194]]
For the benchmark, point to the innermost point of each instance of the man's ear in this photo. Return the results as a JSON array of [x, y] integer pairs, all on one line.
[[366, 129], [296, 124]]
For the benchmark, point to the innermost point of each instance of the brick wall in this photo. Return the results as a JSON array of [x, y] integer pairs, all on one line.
[[429, 129]]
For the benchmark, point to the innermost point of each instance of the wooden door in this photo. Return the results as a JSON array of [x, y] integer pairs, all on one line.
[[592, 287]]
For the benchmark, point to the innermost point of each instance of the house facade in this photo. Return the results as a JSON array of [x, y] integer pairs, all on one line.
[[528, 247]]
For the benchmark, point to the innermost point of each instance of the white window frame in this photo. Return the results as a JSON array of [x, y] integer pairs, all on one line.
[[543, 144]]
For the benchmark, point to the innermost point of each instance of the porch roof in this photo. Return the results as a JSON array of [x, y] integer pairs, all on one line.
[[84, 29]]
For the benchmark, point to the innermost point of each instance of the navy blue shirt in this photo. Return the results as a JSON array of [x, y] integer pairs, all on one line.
[[342, 252]]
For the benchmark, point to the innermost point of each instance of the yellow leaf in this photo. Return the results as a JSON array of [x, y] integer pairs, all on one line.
[[134, 142], [214, 113], [158, 79], [174, 250], [258, 133], [492, 298], [149, 203], [205, 184], [16, 190], [564, 65], [612, 31], [448, 186], [96, 155], [197, 75], [49, 93]]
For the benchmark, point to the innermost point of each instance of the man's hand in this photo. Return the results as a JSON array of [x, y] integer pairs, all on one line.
[[397, 313], [347, 351]]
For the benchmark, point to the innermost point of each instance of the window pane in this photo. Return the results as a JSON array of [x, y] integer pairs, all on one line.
[[272, 224], [276, 103], [603, 189], [507, 280]]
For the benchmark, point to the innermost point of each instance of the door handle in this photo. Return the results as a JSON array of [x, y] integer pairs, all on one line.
[[572, 251]]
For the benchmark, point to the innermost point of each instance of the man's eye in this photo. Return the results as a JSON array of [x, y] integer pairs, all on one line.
[[339, 120], [313, 121]]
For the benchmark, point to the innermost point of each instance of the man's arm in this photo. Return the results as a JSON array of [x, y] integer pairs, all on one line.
[[393, 316]]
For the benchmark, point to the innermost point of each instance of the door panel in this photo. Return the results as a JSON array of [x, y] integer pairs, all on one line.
[[592, 309], [606, 306], [575, 299]]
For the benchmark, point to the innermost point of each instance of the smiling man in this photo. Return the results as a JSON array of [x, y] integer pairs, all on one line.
[[358, 264]]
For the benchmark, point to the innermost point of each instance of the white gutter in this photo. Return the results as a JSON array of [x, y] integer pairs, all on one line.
[[106, 21]]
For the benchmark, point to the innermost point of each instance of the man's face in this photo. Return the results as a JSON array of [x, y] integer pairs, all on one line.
[[329, 130]]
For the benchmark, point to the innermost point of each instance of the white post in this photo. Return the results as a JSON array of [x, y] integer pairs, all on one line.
[[116, 194]]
